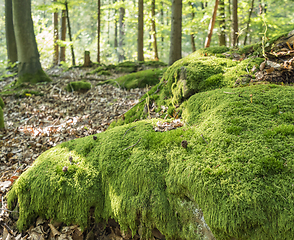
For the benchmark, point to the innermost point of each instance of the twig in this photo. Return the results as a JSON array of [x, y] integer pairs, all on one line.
[[229, 92], [204, 138], [128, 130], [7, 210], [8, 228], [133, 145]]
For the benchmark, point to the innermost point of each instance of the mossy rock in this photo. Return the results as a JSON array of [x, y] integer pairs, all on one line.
[[237, 168], [101, 70], [139, 79], [126, 67], [152, 64], [78, 86]]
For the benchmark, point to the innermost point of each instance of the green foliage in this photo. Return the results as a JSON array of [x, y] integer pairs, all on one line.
[[239, 178], [78, 86]]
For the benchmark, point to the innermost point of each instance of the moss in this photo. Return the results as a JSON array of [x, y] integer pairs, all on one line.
[[38, 77], [139, 79], [101, 70], [1, 117], [2, 105], [127, 67], [153, 63], [78, 86], [241, 175]]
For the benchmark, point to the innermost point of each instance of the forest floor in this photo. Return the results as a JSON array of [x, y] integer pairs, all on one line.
[[34, 124]]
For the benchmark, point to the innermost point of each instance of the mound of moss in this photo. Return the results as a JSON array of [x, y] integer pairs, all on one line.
[[101, 70], [139, 79], [78, 86], [127, 67], [237, 168]]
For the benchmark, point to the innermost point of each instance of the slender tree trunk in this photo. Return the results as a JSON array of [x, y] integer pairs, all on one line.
[[211, 25], [55, 37], [29, 67], [9, 33], [222, 23], [192, 34], [140, 30], [248, 23], [229, 19], [121, 54], [63, 36], [70, 37], [98, 30], [153, 29], [175, 52], [235, 23]]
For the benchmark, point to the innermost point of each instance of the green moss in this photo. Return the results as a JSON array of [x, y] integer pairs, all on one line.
[[2, 105], [139, 79], [78, 86], [153, 63], [38, 77], [1, 117], [127, 67], [241, 176]]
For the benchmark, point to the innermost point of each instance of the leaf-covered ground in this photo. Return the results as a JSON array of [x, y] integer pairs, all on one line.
[[35, 123]]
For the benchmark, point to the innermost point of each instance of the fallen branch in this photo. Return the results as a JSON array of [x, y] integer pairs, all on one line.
[[128, 130], [229, 92], [7, 210], [204, 138], [133, 145]]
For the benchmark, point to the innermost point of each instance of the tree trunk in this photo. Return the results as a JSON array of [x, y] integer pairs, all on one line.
[[70, 37], [235, 23], [175, 52], [63, 36], [229, 17], [29, 67], [153, 30], [211, 25], [222, 23], [87, 59], [98, 30], [192, 34], [121, 54], [9, 33], [55, 37], [140, 30], [248, 23]]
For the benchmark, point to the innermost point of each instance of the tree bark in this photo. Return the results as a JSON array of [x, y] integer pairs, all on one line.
[[211, 25], [63, 36], [248, 23], [175, 52], [29, 67], [153, 30], [9, 33], [121, 54], [192, 34], [140, 30], [235, 23], [98, 30], [55, 37], [70, 37], [222, 23]]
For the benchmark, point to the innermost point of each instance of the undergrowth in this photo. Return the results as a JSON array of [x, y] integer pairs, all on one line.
[[238, 168]]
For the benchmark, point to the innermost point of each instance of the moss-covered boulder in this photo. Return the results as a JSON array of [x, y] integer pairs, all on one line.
[[126, 67], [78, 86], [101, 70], [139, 79], [236, 168]]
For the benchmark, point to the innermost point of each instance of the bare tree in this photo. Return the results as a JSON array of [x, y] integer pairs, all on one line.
[[235, 23], [222, 23], [55, 37], [153, 30], [248, 22], [29, 67], [140, 30], [9, 33], [211, 24], [63, 35], [175, 52]]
